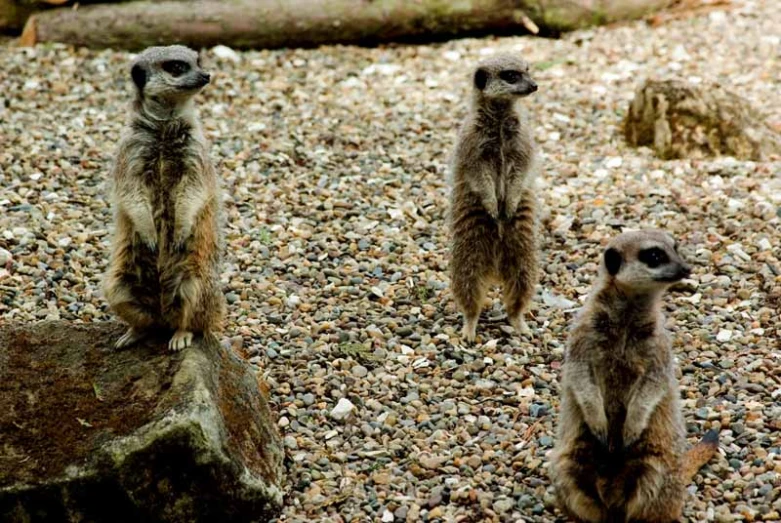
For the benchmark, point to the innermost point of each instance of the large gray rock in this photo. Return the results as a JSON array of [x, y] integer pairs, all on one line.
[[91, 434], [682, 120]]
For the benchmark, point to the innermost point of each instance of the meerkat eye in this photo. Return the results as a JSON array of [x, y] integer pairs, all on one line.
[[511, 77], [175, 67], [653, 257]]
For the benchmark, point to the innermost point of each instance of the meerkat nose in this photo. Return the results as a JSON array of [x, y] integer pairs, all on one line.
[[532, 85], [685, 271]]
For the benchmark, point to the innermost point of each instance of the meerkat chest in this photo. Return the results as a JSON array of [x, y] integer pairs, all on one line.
[[504, 153], [167, 167], [619, 375]]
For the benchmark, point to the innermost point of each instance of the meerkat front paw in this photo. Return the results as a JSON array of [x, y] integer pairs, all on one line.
[[129, 338], [631, 435], [180, 340], [598, 426], [493, 209]]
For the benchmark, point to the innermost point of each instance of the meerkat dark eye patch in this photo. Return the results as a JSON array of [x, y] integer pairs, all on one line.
[[511, 77], [613, 261], [139, 76], [175, 67], [481, 79], [653, 257]]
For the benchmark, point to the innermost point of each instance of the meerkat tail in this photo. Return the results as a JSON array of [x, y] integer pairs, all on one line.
[[697, 456]]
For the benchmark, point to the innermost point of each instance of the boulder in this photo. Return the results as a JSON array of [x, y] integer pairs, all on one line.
[[89, 433], [682, 120]]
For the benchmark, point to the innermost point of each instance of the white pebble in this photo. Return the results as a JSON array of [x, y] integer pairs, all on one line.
[[342, 409], [5, 256], [293, 300], [724, 335], [226, 53], [387, 516], [557, 302], [764, 244]]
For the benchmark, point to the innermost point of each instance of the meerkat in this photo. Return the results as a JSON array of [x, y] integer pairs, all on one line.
[[620, 453], [164, 266], [493, 207]]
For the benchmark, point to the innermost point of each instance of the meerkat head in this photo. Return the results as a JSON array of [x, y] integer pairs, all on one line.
[[504, 76], [168, 76], [643, 262]]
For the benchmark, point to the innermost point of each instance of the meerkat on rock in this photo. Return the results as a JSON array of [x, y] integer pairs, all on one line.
[[493, 207], [164, 265], [620, 454]]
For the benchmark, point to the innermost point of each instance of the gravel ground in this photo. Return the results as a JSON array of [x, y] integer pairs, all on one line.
[[334, 168]]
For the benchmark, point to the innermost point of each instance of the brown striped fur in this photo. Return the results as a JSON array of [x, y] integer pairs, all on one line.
[[493, 205], [620, 453], [166, 253]]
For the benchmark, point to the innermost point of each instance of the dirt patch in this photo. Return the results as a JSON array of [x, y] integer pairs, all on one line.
[[64, 391]]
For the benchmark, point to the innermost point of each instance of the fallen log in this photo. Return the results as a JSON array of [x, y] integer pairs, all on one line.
[[309, 23], [90, 433]]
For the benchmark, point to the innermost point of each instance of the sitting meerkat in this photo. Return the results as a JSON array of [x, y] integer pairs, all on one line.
[[166, 252], [620, 454], [493, 208]]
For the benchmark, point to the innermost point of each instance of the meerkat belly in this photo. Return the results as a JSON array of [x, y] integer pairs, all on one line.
[[170, 166]]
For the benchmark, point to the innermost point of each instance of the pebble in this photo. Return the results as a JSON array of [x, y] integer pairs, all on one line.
[[342, 409], [359, 371]]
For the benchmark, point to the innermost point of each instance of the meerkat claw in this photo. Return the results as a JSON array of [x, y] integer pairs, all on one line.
[[180, 340], [129, 338]]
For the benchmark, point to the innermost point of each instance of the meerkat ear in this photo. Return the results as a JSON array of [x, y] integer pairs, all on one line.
[[481, 79], [613, 261], [139, 76]]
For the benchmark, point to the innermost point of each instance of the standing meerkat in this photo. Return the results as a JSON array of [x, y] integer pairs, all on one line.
[[493, 207], [620, 454], [164, 266]]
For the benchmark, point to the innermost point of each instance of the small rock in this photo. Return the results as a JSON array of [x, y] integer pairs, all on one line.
[[226, 53], [342, 409]]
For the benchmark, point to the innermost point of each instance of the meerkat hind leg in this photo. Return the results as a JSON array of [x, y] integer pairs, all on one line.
[[518, 269], [469, 331], [469, 288]]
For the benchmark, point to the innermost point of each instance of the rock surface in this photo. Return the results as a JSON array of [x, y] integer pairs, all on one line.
[[683, 120], [88, 433]]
